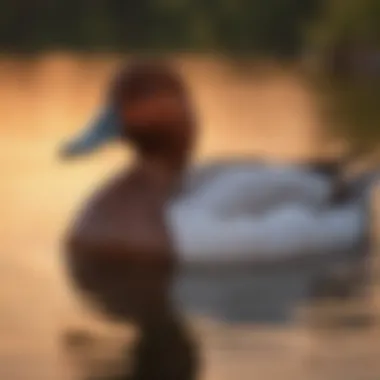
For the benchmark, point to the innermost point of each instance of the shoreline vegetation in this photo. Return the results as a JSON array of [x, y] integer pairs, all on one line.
[[342, 39]]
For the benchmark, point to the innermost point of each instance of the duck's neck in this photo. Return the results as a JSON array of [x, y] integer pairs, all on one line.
[[163, 172]]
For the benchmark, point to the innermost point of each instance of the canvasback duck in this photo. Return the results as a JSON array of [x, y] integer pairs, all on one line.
[[135, 243], [119, 250]]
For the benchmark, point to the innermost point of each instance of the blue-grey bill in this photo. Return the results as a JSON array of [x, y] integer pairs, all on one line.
[[105, 128]]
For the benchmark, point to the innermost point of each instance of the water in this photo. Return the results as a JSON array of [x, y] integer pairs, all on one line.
[[44, 101]]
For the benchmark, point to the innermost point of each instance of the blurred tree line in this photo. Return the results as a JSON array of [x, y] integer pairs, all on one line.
[[342, 35], [231, 26], [345, 38]]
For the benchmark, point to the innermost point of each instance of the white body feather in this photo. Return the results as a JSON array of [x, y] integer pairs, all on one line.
[[232, 220], [259, 213]]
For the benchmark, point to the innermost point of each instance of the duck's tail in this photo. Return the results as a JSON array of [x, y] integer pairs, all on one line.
[[351, 185]]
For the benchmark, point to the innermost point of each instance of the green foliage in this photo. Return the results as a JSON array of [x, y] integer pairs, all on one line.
[[339, 19], [236, 28], [344, 36], [227, 26], [352, 111]]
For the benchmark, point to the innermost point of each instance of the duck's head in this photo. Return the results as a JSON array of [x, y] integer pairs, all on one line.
[[148, 106]]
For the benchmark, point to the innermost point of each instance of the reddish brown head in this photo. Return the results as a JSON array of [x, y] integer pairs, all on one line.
[[149, 106]]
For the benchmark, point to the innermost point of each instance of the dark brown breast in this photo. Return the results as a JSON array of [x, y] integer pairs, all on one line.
[[118, 250]]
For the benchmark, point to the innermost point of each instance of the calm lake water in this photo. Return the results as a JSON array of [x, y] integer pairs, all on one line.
[[266, 112]]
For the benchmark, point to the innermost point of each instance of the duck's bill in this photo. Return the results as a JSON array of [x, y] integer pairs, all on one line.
[[105, 128]]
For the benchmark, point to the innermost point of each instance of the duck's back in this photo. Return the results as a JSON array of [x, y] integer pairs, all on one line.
[[253, 189]]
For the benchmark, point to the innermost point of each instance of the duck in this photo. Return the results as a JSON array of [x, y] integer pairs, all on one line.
[[134, 245]]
